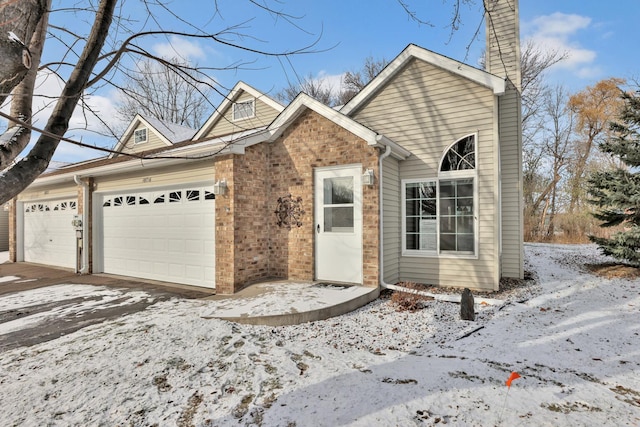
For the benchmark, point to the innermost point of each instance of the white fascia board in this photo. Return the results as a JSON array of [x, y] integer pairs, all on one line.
[[304, 101], [230, 99], [261, 96], [481, 77], [156, 131], [126, 135], [137, 120]]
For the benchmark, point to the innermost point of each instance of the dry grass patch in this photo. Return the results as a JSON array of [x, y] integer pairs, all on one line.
[[612, 270], [409, 301]]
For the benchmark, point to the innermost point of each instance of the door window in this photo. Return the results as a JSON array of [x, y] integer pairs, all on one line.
[[338, 205]]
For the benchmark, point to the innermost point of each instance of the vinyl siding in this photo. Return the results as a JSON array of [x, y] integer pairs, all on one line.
[[4, 230], [511, 174], [264, 115], [153, 142], [391, 226], [426, 109], [53, 192], [198, 171]]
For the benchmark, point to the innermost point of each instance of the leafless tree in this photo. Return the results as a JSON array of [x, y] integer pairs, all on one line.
[[354, 81], [155, 90], [317, 88], [557, 139], [102, 39], [351, 83]]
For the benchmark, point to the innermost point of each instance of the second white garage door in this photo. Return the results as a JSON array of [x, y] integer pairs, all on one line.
[[166, 235]]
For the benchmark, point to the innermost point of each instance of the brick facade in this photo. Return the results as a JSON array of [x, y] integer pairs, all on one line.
[[249, 244]]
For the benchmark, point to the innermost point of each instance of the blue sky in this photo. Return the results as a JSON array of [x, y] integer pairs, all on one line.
[[599, 37]]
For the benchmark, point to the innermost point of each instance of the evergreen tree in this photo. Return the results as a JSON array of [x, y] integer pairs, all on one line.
[[616, 192]]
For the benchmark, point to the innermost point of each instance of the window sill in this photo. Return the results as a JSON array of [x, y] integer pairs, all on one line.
[[447, 255]]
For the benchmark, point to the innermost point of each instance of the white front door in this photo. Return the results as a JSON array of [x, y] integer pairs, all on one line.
[[338, 216]]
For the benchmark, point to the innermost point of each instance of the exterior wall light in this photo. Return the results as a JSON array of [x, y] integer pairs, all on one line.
[[367, 177], [220, 187]]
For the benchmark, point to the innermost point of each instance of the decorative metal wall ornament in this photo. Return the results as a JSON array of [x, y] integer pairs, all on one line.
[[289, 211]]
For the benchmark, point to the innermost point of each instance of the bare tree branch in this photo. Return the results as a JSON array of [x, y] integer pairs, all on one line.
[[28, 169]]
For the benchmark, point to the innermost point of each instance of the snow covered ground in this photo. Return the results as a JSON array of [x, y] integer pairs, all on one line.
[[573, 338]]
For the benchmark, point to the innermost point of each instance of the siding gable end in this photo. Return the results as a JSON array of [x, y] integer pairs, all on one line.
[[222, 121]]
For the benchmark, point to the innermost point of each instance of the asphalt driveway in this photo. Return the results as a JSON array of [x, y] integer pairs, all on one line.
[[38, 303]]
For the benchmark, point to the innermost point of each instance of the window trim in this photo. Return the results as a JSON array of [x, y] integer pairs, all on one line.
[[443, 176], [135, 136], [234, 112]]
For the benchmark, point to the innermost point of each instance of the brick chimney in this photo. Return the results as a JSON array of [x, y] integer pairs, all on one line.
[[503, 60]]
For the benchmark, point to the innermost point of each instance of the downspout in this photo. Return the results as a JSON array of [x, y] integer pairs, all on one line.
[[383, 284], [84, 267]]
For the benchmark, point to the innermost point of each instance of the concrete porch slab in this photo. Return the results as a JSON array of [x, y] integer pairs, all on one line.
[[288, 303], [274, 303]]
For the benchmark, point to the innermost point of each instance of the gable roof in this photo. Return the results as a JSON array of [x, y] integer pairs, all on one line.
[[495, 83], [169, 133], [304, 102], [235, 92]]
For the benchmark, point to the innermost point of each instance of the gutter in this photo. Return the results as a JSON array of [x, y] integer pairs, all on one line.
[[84, 268]]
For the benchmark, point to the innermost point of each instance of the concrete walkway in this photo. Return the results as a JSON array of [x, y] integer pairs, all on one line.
[[288, 303], [271, 303]]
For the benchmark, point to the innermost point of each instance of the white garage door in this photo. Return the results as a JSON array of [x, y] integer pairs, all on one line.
[[166, 235], [49, 237]]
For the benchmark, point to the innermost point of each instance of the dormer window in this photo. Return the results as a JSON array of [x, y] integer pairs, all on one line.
[[140, 136], [244, 110]]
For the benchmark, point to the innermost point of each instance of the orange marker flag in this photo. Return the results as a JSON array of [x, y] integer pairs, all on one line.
[[513, 376]]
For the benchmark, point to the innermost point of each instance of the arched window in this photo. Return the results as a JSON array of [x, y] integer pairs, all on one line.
[[460, 156], [440, 212], [457, 197]]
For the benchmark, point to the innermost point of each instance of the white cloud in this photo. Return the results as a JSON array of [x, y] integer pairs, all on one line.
[[82, 125], [330, 81], [558, 24], [560, 32], [179, 47]]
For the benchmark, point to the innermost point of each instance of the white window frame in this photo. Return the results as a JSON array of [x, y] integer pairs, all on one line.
[[137, 132], [443, 176], [237, 110]]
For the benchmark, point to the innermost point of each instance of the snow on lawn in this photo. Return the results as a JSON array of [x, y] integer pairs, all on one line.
[[573, 339]]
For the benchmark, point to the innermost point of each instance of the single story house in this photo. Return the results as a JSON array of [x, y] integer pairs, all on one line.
[[416, 179]]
